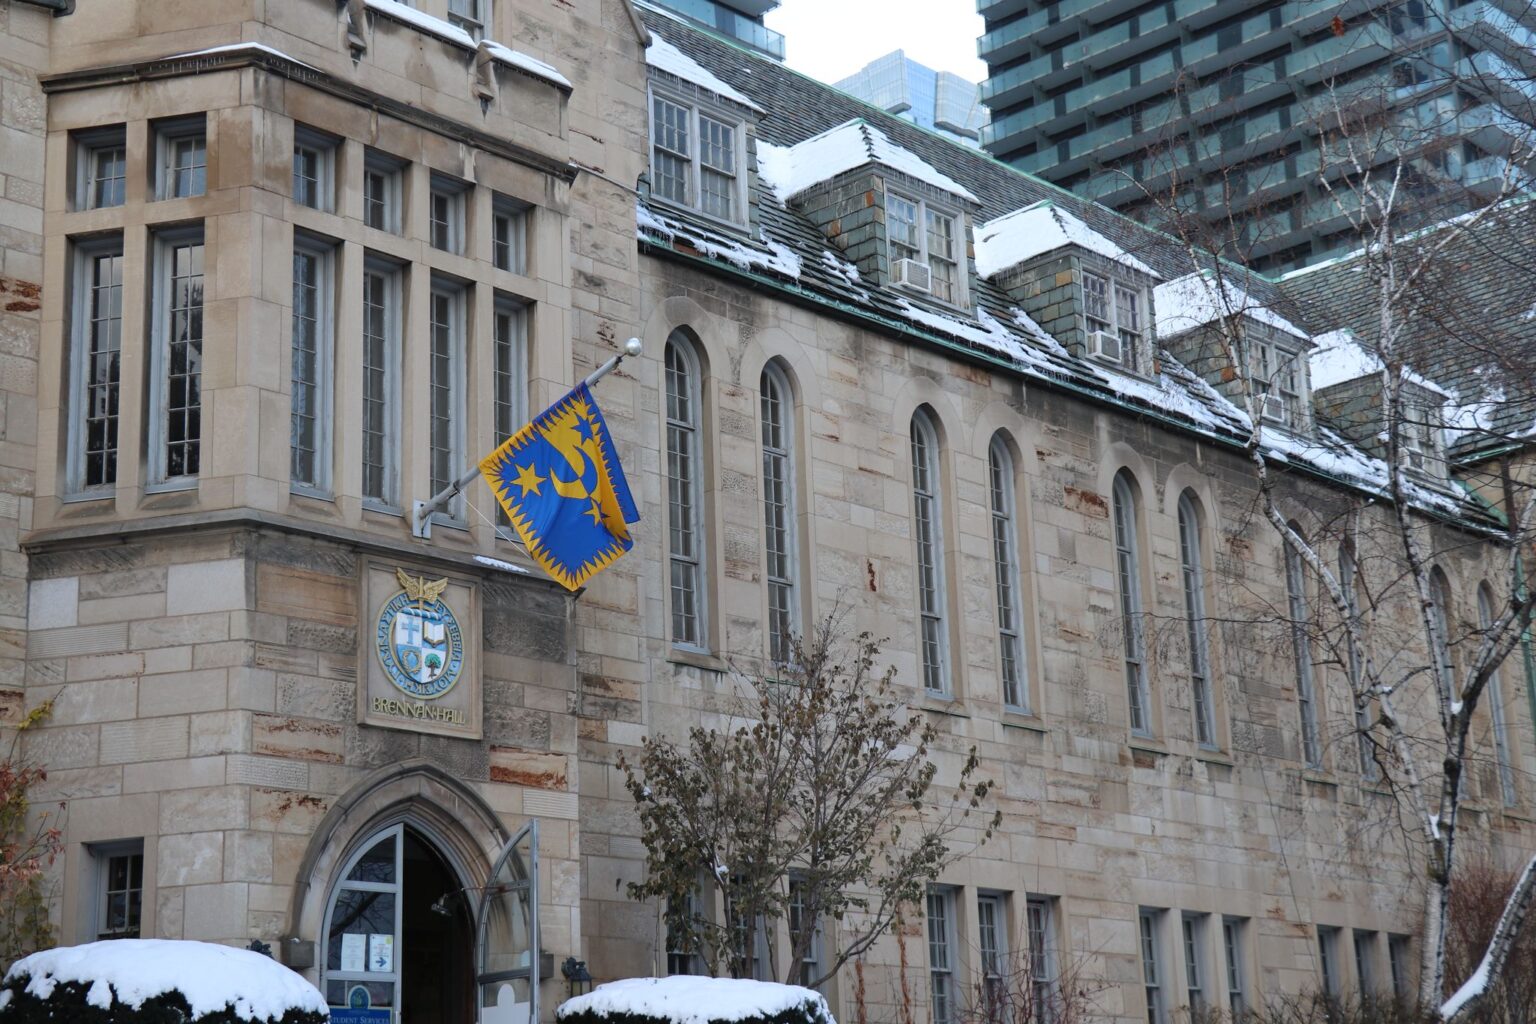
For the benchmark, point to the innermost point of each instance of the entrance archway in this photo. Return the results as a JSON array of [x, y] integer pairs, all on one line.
[[448, 841], [398, 934]]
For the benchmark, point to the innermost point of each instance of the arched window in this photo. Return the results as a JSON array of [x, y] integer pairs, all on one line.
[[779, 510], [927, 517], [1301, 642], [1348, 573], [1495, 698], [1440, 629], [1005, 563], [1192, 571], [684, 495], [1128, 576]]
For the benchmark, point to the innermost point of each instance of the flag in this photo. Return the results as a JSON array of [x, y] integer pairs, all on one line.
[[560, 481]]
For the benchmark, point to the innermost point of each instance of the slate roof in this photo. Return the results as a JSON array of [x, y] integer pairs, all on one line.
[[794, 257], [1469, 325]]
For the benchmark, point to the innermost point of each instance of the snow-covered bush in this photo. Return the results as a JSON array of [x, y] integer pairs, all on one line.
[[156, 981], [683, 999]]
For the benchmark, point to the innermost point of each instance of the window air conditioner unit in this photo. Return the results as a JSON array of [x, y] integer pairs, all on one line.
[[1105, 345], [915, 275], [1273, 409]]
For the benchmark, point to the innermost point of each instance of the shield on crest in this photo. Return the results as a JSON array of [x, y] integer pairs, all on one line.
[[419, 641]]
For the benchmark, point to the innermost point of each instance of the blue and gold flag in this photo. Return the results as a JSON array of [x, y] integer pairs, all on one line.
[[560, 481]]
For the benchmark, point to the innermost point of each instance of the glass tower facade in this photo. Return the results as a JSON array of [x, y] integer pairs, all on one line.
[[1232, 101], [937, 100]]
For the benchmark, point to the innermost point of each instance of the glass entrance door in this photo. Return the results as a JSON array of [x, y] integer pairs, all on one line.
[[507, 939], [399, 936]]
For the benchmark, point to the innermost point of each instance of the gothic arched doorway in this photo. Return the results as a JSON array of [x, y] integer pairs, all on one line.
[[399, 933]]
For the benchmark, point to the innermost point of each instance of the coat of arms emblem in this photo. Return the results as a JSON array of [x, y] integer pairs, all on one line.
[[419, 641]]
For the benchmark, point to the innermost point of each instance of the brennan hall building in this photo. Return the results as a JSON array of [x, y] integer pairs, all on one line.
[[273, 272]]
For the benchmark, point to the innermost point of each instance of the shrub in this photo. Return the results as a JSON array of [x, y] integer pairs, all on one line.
[[683, 999], [69, 1001]]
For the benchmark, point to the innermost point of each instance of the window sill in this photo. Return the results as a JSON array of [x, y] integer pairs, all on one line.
[[312, 493], [1319, 777], [84, 499], [1028, 723], [181, 483], [950, 706], [379, 509], [1220, 757], [696, 659]]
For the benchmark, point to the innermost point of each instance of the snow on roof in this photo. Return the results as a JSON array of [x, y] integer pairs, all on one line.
[[240, 48], [663, 56], [210, 976], [1035, 230], [521, 60], [1194, 300], [425, 22], [1338, 357], [777, 258], [685, 999], [793, 169]]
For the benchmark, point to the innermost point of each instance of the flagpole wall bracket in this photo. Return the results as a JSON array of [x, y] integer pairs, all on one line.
[[423, 511]]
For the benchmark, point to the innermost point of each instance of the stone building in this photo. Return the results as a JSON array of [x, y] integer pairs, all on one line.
[[300, 264]]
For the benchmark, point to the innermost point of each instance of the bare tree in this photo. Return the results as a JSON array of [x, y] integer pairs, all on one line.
[[821, 808], [1418, 676]]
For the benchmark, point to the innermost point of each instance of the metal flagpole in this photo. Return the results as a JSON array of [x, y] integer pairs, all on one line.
[[422, 511]]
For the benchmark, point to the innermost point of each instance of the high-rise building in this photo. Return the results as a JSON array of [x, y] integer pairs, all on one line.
[[1119, 100], [741, 20], [940, 100]]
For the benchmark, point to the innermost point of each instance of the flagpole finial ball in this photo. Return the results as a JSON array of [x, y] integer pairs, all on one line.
[[632, 347]]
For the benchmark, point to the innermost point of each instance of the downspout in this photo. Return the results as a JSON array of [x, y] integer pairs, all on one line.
[[1526, 651]]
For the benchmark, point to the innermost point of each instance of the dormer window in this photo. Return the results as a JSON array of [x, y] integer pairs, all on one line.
[[696, 158], [1113, 314], [923, 248], [1420, 436], [1277, 374]]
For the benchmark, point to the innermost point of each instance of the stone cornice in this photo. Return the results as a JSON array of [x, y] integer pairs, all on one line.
[[259, 56]]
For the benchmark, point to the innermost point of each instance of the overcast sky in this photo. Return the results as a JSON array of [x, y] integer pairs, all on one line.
[[831, 39]]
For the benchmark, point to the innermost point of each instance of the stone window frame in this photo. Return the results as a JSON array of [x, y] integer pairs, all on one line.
[[322, 148], [1286, 357], [83, 256], [100, 860], [1233, 947], [943, 950], [1349, 571], [87, 146], [1009, 603], [1042, 946], [810, 968], [1194, 937], [167, 134], [449, 232], [460, 298], [1328, 962], [469, 15], [782, 554], [164, 244], [1503, 752], [685, 439], [326, 253], [992, 949], [1154, 964], [696, 107], [394, 280], [1192, 570], [1309, 696], [1135, 356], [509, 234], [384, 178], [928, 501], [510, 318], [1125, 515], [927, 207]]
